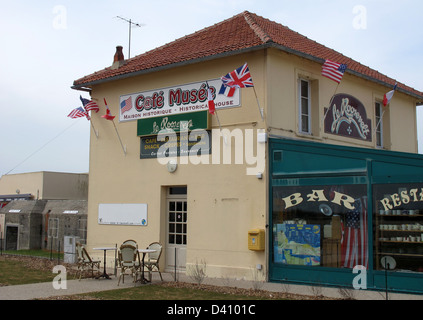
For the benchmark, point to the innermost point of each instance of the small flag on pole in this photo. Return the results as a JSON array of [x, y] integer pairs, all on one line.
[[89, 105], [388, 96], [108, 114], [239, 78], [333, 70], [78, 113], [227, 91], [212, 106]]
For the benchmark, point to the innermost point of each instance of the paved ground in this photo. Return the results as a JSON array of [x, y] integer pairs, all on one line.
[[45, 290]]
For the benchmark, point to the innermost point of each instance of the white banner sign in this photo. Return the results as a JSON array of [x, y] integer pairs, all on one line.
[[126, 214], [174, 100]]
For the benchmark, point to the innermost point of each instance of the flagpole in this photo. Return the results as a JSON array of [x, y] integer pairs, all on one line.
[[330, 103], [95, 131], [378, 124], [258, 104], [218, 121], [108, 113], [123, 148]]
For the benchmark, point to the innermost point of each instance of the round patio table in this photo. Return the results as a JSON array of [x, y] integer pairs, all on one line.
[[104, 275], [144, 252]]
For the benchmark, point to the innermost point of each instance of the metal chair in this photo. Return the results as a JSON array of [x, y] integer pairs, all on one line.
[[154, 259], [131, 242], [128, 260], [85, 263]]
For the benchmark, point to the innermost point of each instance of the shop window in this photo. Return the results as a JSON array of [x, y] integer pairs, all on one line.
[[320, 226], [398, 227]]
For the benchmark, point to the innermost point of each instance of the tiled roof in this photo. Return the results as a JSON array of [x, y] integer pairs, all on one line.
[[245, 31]]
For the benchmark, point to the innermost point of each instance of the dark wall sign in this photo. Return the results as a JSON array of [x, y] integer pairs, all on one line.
[[176, 145], [347, 117]]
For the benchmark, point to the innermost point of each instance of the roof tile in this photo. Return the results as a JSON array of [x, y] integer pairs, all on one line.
[[243, 31]]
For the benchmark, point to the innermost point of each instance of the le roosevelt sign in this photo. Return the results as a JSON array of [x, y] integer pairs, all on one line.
[[177, 122], [347, 117]]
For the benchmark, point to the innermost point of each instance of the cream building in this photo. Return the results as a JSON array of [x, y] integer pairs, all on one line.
[[265, 139]]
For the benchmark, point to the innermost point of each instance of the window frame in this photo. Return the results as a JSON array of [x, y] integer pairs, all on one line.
[[379, 124], [308, 130]]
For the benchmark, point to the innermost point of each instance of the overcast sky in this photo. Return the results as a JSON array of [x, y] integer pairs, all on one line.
[[46, 45]]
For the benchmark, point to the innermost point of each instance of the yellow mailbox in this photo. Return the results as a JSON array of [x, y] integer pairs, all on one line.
[[256, 240]]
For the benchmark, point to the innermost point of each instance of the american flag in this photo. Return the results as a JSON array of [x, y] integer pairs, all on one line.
[[78, 113], [89, 105], [126, 105], [333, 70], [239, 78], [354, 242]]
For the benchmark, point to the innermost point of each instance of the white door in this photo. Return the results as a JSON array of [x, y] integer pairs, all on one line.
[[176, 229]]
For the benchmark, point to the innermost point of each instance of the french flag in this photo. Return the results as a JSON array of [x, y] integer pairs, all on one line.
[[227, 91], [212, 106], [388, 96]]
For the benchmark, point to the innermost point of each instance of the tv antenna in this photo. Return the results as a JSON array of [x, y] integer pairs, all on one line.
[[131, 24]]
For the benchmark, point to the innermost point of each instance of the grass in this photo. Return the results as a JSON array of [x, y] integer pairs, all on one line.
[[163, 292], [36, 253], [13, 272]]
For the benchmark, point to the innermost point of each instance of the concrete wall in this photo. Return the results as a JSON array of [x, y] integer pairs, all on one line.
[[47, 185]]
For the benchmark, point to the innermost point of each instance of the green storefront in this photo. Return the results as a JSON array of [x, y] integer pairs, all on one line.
[[339, 212]]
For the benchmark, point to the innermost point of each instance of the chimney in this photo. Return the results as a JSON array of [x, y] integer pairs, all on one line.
[[118, 59]]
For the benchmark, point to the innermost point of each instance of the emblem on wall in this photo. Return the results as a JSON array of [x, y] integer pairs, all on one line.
[[347, 117]]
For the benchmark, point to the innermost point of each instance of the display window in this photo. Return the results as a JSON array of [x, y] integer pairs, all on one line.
[[320, 225], [398, 227]]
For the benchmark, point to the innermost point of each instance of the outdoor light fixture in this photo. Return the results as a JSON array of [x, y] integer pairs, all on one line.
[[325, 209], [172, 166]]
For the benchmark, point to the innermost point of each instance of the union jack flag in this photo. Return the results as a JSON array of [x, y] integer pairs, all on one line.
[[239, 78], [89, 105], [78, 113]]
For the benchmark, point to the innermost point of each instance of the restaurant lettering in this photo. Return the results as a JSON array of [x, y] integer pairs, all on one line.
[[156, 100], [179, 96], [350, 115], [172, 125], [178, 122], [319, 196], [404, 197]]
